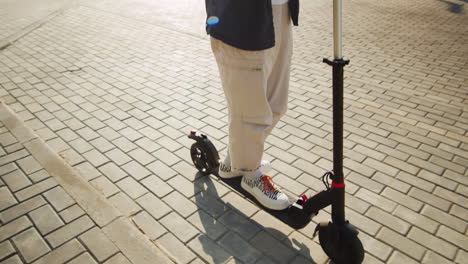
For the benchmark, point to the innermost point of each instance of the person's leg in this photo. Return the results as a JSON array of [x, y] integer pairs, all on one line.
[[225, 170], [278, 81], [262, 186], [244, 79]]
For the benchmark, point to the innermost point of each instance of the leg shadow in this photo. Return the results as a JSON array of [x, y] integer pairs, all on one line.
[[211, 209]]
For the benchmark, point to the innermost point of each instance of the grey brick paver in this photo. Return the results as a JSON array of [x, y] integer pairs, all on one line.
[[454, 197], [104, 186], [45, 219], [269, 222], [21, 208], [208, 250], [136, 170], [377, 200], [161, 170], [101, 144], [207, 224], [152, 228], [29, 165], [59, 198], [98, 243], [10, 229], [238, 203], [176, 248], [131, 187], [430, 198], [81, 145], [69, 231], [62, 254], [6, 198], [182, 229], [398, 257], [13, 260], [366, 182], [141, 156], [461, 256], [124, 203], [118, 156], [239, 224], [375, 247], [239, 248], [452, 236], [402, 199], [16, 180], [388, 220], [182, 185], [9, 167], [434, 258], [157, 186], [84, 258], [118, 259], [96, 158], [402, 243], [433, 243], [30, 244], [210, 204], [6, 249], [71, 213], [269, 245], [112, 171], [124, 144], [180, 204]]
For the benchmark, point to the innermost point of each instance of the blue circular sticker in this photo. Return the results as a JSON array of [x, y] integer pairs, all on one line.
[[212, 20]]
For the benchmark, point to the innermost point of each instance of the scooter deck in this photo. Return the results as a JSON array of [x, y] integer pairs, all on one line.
[[235, 183]]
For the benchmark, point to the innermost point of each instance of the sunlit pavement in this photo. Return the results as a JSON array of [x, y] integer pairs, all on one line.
[[114, 87]]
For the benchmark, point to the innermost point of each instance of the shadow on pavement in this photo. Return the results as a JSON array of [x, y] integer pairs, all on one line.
[[206, 193], [454, 7]]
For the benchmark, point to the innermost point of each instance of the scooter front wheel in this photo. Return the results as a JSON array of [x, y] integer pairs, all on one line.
[[341, 243]]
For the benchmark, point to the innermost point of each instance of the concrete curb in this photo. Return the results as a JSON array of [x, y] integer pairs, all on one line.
[[119, 229]]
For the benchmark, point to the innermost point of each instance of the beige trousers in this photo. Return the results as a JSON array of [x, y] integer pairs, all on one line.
[[256, 87]]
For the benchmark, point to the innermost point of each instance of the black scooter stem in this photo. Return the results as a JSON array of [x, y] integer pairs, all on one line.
[[338, 204]]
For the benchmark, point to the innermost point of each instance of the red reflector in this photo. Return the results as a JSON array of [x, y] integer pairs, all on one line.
[[338, 185]]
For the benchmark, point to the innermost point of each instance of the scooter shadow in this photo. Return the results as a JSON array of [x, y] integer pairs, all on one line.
[[212, 208]]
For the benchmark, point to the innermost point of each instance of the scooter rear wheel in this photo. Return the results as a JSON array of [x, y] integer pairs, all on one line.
[[200, 159]]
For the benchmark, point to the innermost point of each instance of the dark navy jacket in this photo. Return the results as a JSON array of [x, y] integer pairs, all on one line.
[[245, 24]]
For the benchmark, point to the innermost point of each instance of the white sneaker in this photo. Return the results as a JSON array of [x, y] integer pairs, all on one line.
[[265, 191], [226, 173]]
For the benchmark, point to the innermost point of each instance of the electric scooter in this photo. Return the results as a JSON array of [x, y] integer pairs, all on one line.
[[338, 238]]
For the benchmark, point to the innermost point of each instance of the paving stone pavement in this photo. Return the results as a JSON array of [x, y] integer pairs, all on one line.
[[115, 86], [49, 214]]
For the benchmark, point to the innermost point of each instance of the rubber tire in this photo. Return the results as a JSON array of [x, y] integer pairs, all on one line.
[[348, 251], [199, 159]]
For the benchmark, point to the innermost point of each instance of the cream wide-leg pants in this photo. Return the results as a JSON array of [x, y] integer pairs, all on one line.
[[256, 87]]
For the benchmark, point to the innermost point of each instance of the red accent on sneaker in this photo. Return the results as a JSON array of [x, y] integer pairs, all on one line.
[[304, 197], [338, 185], [268, 184]]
